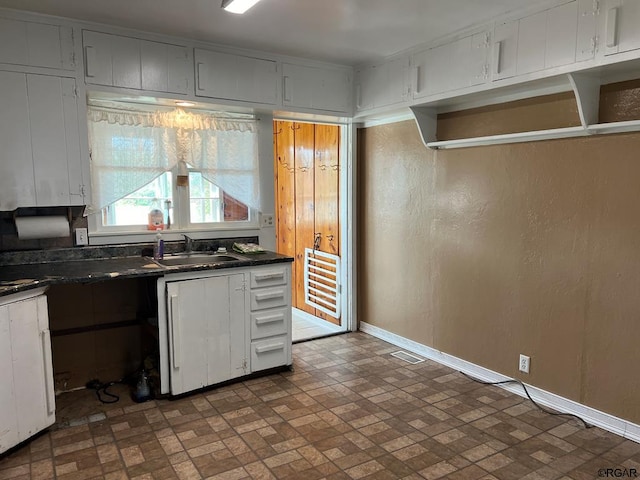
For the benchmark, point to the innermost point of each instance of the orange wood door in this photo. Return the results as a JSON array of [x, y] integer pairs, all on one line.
[[304, 136], [284, 168], [327, 194], [307, 173]]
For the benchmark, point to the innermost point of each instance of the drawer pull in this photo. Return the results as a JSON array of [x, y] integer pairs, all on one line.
[[268, 276], [260, 297], [270, 319], [270, 348]]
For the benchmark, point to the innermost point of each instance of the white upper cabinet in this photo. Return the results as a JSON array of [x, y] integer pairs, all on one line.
[[458, 64], [317, 88], [36, 44], [622, 29], [382, 84], [553, 38], [127, 62], [40, 160], [235, 77]]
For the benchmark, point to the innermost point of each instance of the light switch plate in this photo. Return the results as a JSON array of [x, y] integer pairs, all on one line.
[[82, 236]]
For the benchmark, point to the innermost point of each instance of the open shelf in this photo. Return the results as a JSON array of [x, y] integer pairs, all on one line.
[[586, 89]]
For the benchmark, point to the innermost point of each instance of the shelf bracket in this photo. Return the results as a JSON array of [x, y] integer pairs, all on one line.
[[587, 91], [427, 121]]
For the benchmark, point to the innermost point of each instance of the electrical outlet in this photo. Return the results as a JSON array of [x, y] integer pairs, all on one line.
[[267, 220], [82, 236], [524, 363]]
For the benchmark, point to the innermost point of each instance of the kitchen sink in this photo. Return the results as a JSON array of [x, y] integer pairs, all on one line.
[[198, 258]]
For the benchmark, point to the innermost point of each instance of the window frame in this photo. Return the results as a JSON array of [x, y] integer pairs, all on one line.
[[180, 221]]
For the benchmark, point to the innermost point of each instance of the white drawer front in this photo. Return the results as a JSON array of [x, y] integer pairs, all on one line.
[[269, 298], [269, 353], [269, 277], [267, 323]]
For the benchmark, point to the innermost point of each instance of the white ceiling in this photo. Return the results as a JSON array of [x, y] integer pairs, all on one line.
[[340, 31]]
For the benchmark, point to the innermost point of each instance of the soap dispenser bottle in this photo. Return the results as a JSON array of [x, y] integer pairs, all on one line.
[[158, 247]]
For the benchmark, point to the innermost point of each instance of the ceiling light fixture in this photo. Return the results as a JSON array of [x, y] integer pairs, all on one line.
[[181, 103], [238, 6]]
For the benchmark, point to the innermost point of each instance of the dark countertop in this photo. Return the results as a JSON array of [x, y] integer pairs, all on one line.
[[21, 277]]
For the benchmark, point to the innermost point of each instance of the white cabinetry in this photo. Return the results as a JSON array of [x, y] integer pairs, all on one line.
[[235, 77], [552, 38], [36, 44], [40, 162], [207, 331], [270, 317], [127, 62], [382, 84], [317, 88], [622, 20], [458, 64], [222, 324], [27, 401]]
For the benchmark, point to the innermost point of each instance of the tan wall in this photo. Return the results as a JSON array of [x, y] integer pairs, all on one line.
[[488, 252]]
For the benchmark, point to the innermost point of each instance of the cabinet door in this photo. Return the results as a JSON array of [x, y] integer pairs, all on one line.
[[36, 44], [531, 43], [505, 50], [29, 371], [97, 58], [622, 32], [234, 77], [8, 419], [383, 84], [40, 163], [179, 70], [165, 68], [125, 62], [17, 186], [207, 331], [316, 88], [53, 117], [586, 42], [458, 64], [562, 32]]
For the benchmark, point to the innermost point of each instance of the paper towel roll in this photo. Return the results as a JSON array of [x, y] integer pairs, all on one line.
[[51, 226]]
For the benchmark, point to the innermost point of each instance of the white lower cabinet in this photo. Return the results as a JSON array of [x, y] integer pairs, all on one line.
[[27, 397], [207, 334], [270, 317], [215, 326]]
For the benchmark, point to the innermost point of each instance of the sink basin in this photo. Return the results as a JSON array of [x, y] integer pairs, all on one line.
[[197, 258]]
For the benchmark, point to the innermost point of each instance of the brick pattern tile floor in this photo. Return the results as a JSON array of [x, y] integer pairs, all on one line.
[[349, 410]]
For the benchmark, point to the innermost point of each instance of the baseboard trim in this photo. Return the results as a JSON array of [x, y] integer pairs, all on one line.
[[590, 415]]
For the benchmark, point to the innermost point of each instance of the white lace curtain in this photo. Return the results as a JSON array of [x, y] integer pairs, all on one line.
[[129, 149]]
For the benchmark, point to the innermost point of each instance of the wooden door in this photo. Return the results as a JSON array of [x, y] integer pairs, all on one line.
[[304, 141], [284, 169], [307, 170]]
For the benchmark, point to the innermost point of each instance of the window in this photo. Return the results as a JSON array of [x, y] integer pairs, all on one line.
[[199, 170]]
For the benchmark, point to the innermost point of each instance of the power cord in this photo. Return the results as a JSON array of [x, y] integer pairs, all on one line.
[[102, 387], [524, 387]]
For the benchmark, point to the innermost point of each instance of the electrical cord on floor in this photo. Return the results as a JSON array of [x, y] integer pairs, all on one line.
[[102, 387], [524, 387]]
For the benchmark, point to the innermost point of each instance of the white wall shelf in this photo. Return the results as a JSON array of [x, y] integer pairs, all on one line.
[[586, 89]]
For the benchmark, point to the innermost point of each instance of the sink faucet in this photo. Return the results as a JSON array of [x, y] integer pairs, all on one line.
[[188, 243]]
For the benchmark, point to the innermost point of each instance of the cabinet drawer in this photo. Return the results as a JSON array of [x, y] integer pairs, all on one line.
[[269, 277], [267, 323], [269, 353], [269, 298]]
